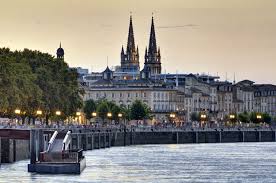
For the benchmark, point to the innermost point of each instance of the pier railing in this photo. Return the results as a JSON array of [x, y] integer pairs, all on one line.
[[61, 157]]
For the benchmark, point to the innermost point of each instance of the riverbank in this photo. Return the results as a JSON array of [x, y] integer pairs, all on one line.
[[13, 149]]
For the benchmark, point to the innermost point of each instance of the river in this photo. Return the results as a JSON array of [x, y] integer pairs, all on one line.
[[229, 162]]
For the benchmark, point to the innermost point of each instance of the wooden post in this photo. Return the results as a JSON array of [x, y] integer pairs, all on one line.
[[260, 136], [220, 133], [177, 138]]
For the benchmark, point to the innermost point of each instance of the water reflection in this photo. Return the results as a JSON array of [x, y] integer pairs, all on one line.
[[242, 162]]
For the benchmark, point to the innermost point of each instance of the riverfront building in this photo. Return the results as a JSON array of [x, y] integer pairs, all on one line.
[[182, 94]]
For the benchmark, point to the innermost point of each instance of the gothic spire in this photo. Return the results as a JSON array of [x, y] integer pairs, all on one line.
[[122, 51], [152, 41], [130, 41]]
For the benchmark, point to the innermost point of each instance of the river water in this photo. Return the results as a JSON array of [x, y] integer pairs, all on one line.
[[240, 162]]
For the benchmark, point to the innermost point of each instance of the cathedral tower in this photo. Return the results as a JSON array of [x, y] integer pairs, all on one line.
[[130, 56], [152, 55]]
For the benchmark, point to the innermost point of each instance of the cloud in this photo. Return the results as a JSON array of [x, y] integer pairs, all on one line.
[[178, 26]]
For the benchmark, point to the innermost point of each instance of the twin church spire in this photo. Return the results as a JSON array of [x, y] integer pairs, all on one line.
[[130, 56]]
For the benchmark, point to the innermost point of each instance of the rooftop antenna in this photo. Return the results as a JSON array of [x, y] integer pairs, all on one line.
[[234, 78], [226, 76]]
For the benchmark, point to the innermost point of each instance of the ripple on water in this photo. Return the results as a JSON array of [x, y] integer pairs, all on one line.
[[240, 162]]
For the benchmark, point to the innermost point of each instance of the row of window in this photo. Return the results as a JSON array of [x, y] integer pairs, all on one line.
[[121, 95]]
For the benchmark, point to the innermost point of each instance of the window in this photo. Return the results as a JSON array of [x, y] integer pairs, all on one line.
[[128, 95], [113, 95], [121, 95]]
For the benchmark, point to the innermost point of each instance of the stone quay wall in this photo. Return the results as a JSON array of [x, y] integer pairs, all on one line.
[[96, 140], [12, 150]]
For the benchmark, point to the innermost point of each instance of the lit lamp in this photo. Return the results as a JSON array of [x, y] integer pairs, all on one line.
[[232, 116], [259, 116], [78, 113], [17, 111], [58, 113], [109, 114], [38, 112], [94, 114], [120, 115], [203, 116], [172, 115]]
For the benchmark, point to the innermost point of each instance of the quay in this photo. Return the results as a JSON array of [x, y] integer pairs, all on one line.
[[17, 144]]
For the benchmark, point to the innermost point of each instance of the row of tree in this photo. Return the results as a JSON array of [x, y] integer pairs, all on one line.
[[31, 81], [137, 110]]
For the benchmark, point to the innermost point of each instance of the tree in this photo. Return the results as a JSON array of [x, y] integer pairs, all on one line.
[[32, 80], [89, 108], [267, 118], [253, 117], [244, 117], [102, 110], [139, 110]]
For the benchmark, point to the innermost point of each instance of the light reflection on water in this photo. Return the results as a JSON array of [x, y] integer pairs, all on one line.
[[241, 162]]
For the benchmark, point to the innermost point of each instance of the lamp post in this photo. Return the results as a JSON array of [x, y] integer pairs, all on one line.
[[17, 112], [78, 114], [203, 118], [259, 118], [39, 113], [172, 116], [109, 116], [58, 113], [120, 115]]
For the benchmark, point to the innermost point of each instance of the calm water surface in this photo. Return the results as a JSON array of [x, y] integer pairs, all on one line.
[[241, 162]]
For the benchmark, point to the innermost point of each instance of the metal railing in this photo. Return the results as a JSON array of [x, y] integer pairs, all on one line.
[[51, 141], [66, 141], [61, 157]]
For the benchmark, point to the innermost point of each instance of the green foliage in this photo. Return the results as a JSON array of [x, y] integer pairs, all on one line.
[[253, 117], [103, 109], [139, 110], [31, 80], [267, 118], [244, 117], [89, 107]]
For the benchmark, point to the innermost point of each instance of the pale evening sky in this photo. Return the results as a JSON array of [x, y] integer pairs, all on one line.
[[233, 36]]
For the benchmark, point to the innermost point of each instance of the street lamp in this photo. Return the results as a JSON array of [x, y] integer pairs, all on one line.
[[94, 114], [78, 113], [38, 112], [172, 116], [259, 117], [203, 118], [232, 116], [17, 111], [120, 115], [58, 113], [109, 114]]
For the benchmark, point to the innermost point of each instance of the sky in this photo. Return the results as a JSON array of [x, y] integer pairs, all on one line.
[[219, 37]]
